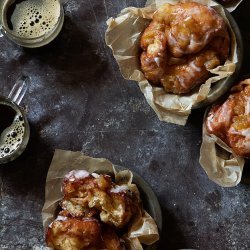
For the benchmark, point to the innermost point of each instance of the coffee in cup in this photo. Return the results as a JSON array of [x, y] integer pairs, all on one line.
[[14, 126], [32, 23]]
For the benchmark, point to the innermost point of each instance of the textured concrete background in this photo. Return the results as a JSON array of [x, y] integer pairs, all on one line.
[[78, 100]]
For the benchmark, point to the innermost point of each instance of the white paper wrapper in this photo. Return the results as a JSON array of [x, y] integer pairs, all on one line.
[[123, 37], [143, 228], [219, 162]]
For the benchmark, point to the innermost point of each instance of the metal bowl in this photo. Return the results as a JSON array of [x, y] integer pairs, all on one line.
[[219, 88], [148, 197]]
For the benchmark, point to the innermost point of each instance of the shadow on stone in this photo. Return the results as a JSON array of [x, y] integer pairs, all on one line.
[[171, 237]]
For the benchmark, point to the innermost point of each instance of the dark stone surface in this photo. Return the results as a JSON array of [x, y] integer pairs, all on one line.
[[78, 100]]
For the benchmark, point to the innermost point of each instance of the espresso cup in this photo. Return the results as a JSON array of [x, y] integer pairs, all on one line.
[[14, 126], [31, 23]]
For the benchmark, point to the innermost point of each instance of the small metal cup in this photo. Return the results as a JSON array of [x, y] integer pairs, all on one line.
[[13, 100]]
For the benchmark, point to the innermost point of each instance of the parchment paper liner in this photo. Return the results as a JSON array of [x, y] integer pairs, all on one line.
[[221, 165], [219, 161], [143, 228], [123, 37]]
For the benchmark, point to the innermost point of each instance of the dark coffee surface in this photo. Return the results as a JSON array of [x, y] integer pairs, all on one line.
[[7, 115], [78, 100], [32, 18]]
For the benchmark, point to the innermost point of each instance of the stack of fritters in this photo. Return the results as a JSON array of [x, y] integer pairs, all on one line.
[[181, 44], [92, 208]]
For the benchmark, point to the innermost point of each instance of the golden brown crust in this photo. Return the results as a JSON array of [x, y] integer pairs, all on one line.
[[186, 31], [231, 120], [153, 68]]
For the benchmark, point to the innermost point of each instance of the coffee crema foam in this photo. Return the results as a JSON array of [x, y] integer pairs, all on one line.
[[12, 137], [34, 18]]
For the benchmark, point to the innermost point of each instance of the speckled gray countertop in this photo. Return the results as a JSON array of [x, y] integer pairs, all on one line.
[[78, 100]]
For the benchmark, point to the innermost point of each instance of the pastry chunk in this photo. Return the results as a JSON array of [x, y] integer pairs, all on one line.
[[115, 204], [180, 78], [80, 234]]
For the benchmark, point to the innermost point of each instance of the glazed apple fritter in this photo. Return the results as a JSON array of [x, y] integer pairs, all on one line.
[[80, 234], [180, 78], [93, 194], [230, 121], [189, 27], [190, 31]]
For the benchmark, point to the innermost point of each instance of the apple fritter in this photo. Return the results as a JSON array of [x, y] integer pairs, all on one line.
[[191, 32], [230, 121], [189, 26]]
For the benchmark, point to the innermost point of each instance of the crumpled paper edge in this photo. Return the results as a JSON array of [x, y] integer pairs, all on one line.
[[221, 165], [141, 230], [168, 107], [219, 162]]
